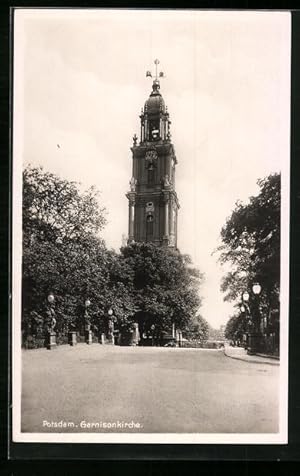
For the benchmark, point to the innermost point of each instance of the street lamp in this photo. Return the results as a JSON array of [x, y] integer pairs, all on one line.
[[51, 334], [244, 307], [51, 298], [246, 296], [111, 326], [256, 288], [152, 333], [88, 335], [253, 335]]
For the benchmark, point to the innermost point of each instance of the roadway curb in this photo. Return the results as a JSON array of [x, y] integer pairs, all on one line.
[[250, 360]]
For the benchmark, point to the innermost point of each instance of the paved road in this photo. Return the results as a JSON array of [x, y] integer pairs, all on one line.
[[161, 389]]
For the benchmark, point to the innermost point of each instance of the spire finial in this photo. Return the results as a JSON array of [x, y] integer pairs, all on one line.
[[157, 75], [156, 62]]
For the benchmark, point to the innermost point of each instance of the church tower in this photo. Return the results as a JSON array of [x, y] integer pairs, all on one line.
[[153, 202]]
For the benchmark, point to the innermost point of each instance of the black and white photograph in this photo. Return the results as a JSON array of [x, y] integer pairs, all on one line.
[[151, 172]]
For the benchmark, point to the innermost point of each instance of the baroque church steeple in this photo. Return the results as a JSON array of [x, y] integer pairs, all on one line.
[[153, 202]]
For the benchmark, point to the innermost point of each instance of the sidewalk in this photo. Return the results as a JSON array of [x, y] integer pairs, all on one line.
[[241, 354]]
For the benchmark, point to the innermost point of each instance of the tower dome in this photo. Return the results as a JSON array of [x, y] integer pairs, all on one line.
[[155, 123], [155, 103]]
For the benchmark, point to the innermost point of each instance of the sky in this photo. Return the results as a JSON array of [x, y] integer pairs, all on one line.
[[80, 83]]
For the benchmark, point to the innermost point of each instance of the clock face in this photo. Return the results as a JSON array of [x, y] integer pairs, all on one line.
[[150, 159], [149, 207]]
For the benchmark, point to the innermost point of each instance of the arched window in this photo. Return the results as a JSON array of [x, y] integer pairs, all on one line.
[[154, 130], [151, 164]]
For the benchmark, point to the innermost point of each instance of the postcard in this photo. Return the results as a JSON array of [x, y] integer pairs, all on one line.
[[151, 171]]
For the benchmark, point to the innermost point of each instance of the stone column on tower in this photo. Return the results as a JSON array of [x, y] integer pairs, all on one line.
[[166, 233], [131, 204], [131, 220], [172, 220]]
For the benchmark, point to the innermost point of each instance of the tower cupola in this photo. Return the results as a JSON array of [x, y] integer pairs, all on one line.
[[155, 123]]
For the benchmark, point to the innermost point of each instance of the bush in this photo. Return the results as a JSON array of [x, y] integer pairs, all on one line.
[[202, 344]]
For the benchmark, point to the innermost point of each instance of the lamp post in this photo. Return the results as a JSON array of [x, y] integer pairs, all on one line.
[[256, 288], [87, 323], [72, 334], [152, 333], [51, 322], [254, 318], [245, 309], [173, 330], [111, 336]]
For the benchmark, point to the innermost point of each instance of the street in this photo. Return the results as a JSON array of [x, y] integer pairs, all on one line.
[[88, 388]]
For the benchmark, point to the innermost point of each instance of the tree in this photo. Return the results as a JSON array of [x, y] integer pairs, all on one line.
[[55, 210], [251, 244], [198, 329], [236, 327], [62, 251], [164, 285]]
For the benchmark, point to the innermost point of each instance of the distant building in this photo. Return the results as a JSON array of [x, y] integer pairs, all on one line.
[[153, 202]]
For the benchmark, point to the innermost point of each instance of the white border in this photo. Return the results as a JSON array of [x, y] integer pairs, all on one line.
[[136, 438]]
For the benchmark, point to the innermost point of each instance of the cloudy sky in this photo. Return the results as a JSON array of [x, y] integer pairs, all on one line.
[[80, 82]]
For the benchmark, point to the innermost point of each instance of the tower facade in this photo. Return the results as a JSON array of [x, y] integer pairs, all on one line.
[[153, 202]]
